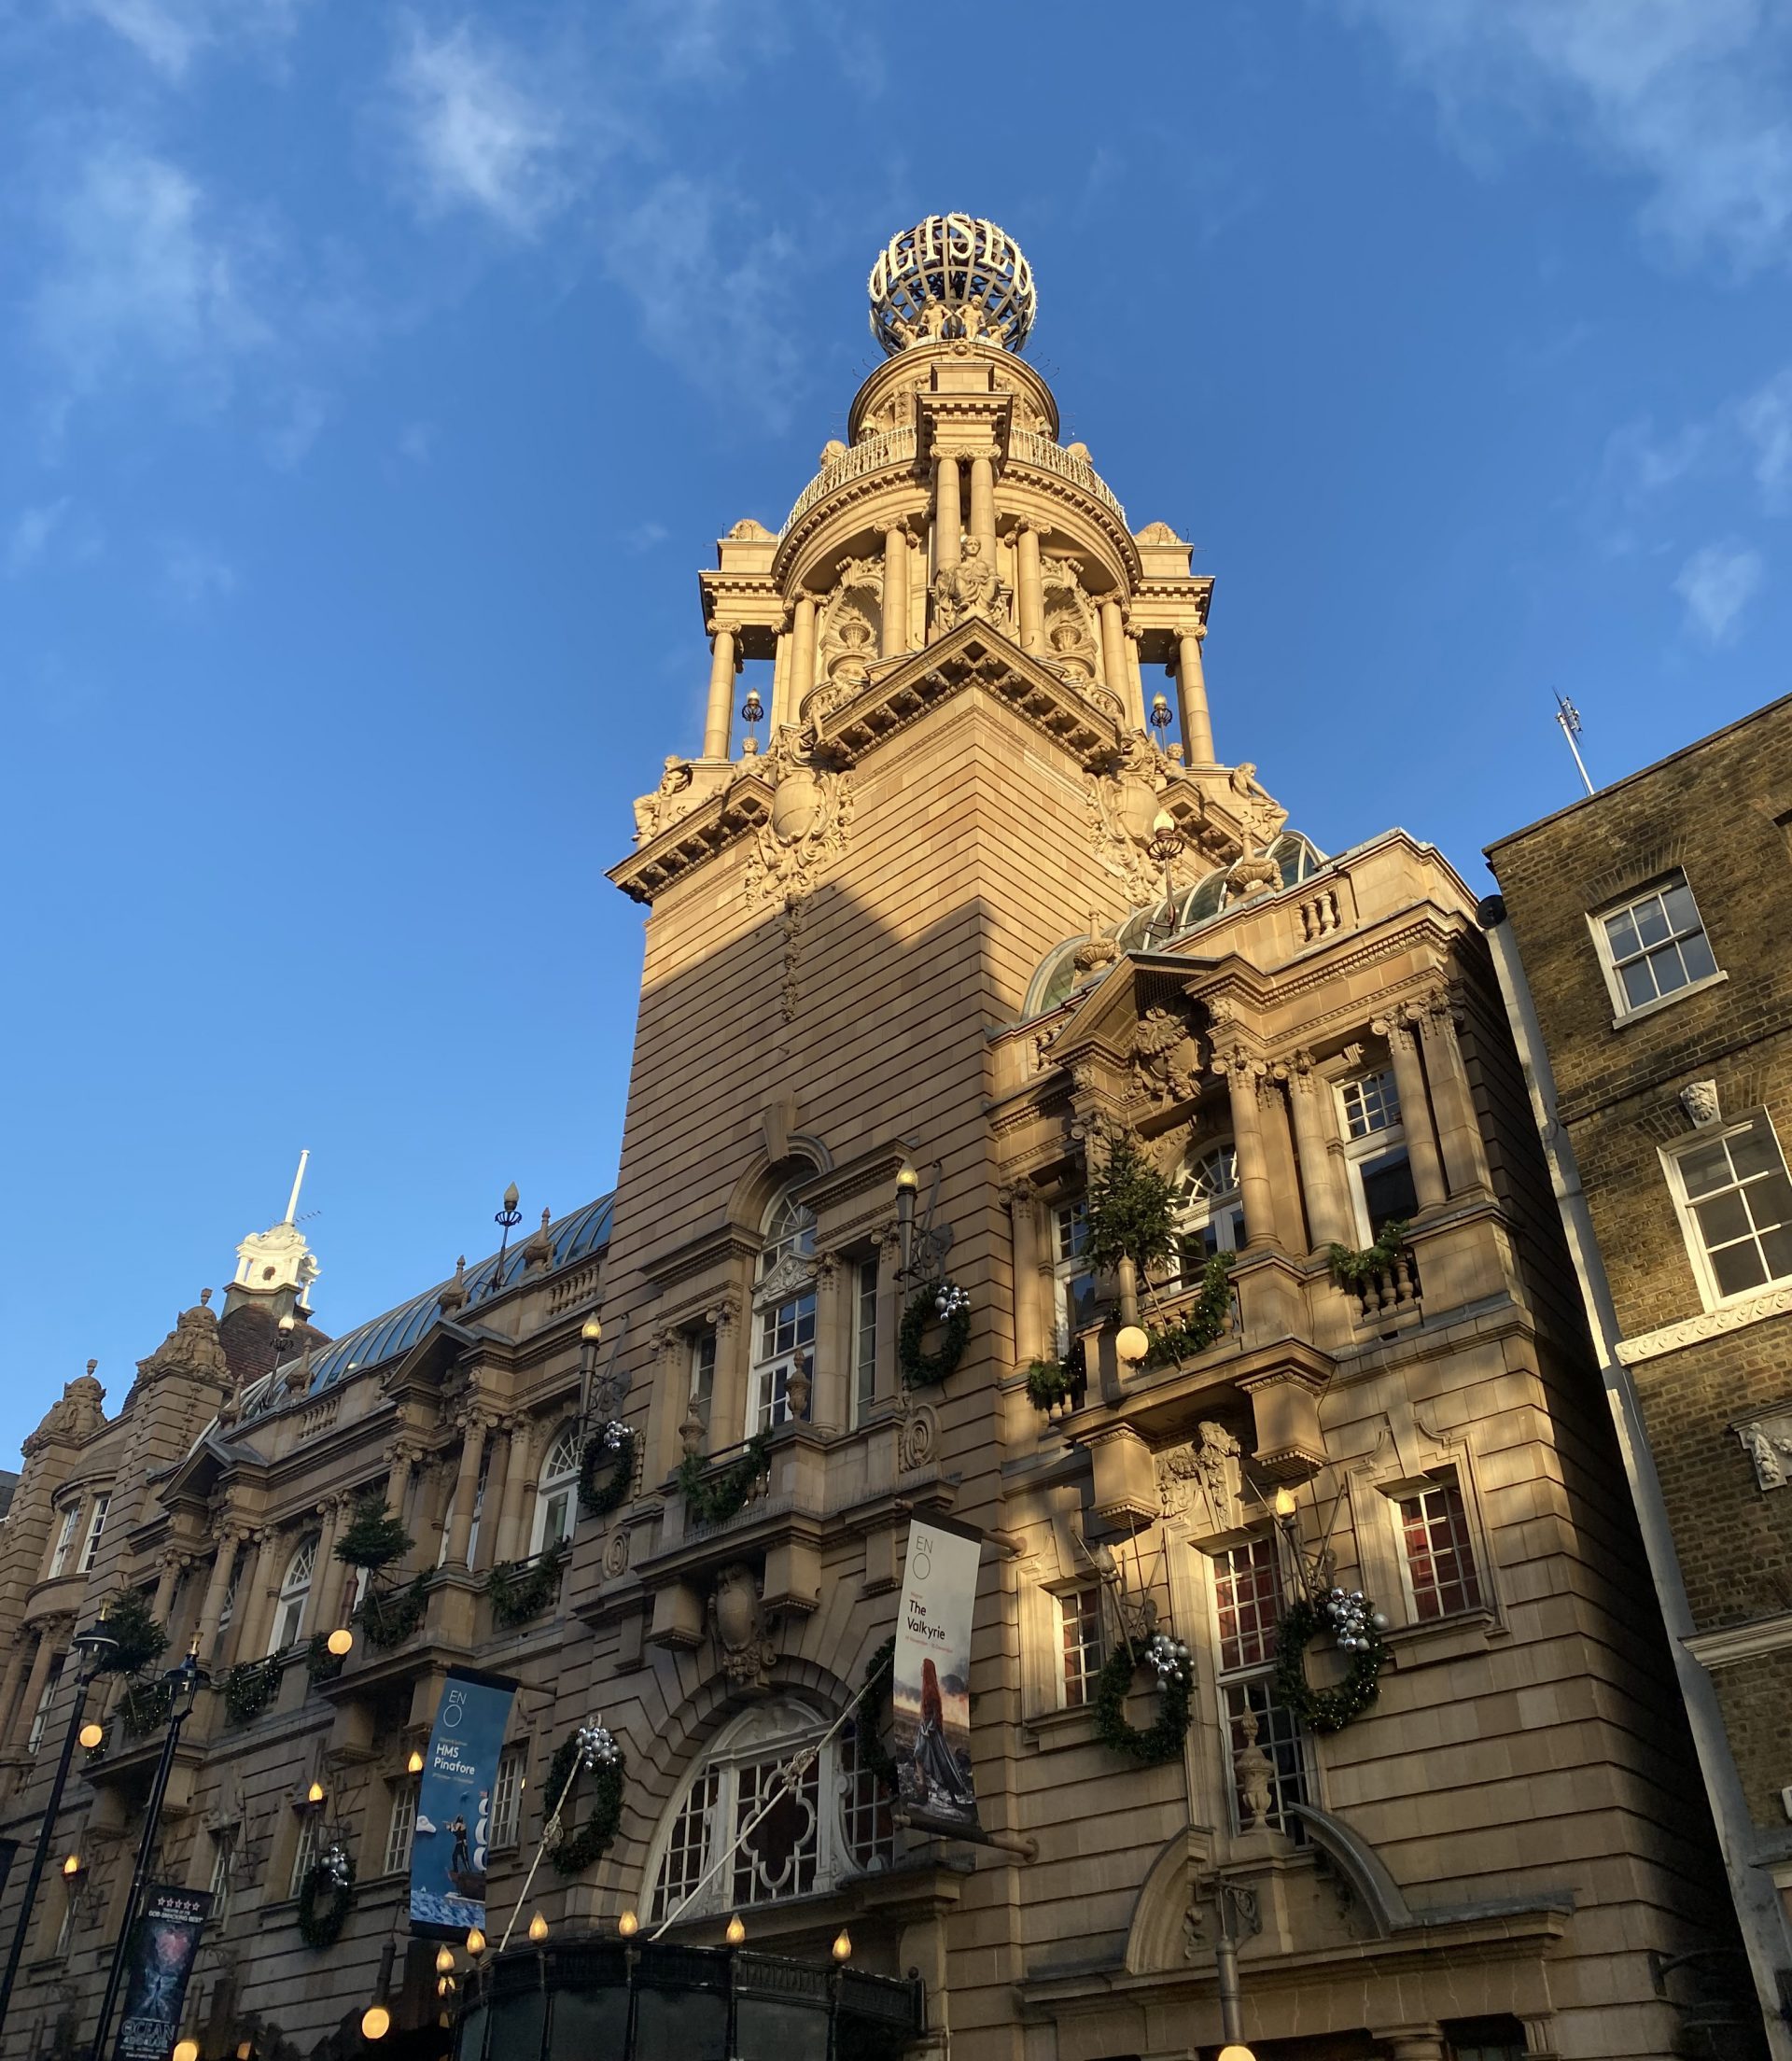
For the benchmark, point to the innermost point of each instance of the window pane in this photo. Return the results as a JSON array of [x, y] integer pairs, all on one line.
[[1770, 1200], [1754, 1150], [1738, 1267], [1388, 1191], [1777, 1246], [1722, 1219], [1620, 933], [1279, 1737], [1651, 920], [1704, 1167], [1245, 1591], [1638, 983], [1667, 968], [1082, 1654], [1681, 912], [1696, 950]]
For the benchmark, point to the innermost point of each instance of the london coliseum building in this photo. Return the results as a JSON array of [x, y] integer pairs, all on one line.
[[982, 903]]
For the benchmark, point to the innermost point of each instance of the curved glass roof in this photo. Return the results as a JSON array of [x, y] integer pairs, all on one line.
[[384, 1338], [1160, 925]]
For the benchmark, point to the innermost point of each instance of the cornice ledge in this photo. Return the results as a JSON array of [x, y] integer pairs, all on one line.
[[1741, 1642], [715, 1248], [1710, 1324], [720, 820]]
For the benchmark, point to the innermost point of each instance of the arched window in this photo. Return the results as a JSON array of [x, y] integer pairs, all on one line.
[[295, 1592], [832, 1823], [783, 1311], [558, 1485], [1210, 1212]]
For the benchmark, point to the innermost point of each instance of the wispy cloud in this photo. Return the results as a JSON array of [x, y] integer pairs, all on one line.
[[302, 419], [30, 535], [1766, 419], [1716, 584], [170, 34], [194, 574], [1687, 96], [479, 132]]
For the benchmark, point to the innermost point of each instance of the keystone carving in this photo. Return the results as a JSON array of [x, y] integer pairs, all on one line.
[[737, 1619]]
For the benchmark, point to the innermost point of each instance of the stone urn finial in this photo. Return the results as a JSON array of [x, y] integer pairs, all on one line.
[[691, 1431]]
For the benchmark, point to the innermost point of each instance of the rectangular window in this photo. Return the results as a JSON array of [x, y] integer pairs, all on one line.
[[1079, 1614], [1735, 1206], [1371, 1103], [223, 1867], [865, 1340], [785, 1329], [1654, 946], [304, 1851], [1375, 1152], [95, 1525], [64, 1539], [507, 1796], [1073, 1279], [703, 1373], [40, 1717], [401, 1826], [66, 1930], [1247, 1602], [1440, 1552]]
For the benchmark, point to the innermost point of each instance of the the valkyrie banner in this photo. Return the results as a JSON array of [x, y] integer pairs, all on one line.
[[931, 1682], [163, 1948], [455, 1803]]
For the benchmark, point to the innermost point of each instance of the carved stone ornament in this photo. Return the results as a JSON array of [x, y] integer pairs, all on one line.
[[1121, 806], [690, 1432], [1252, 1767], [190, 1349], [1163, 1056], [616, 1554], [80, 1410], [811, 807], [737, 1619], [1202, 1480], [917, 1433], [1700, 1100], [674, 798], [1768, 1442], [968, 591]]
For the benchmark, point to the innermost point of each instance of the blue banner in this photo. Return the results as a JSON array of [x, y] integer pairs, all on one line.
[[455, 1803]]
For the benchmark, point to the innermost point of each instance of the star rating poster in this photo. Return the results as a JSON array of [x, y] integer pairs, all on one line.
[[163, 1947], [455, 1795], [930, 1679]]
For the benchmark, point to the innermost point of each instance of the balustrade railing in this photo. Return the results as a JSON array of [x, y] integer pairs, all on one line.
[[1390, 1291], [1031, 448], [869, 455]]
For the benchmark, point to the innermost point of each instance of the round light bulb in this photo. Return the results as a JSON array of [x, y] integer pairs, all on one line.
[[414, 1765], [92, 1735], [340, 1641], [1236, 2053], [72, 1866], [843, 1945], [1285, 1502], [592, 1331], [537, 1929], [736, 1932], [445, 1960], [376, 2022], [628, 1925], [315, 1793], [186, 2049], [475, 1941], [1131, 1343], [908, 1178]]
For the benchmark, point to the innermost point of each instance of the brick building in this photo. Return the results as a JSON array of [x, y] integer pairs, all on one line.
[[1637, 934], [961, 930]]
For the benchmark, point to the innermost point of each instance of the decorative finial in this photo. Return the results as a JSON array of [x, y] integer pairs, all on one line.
[[205, 1296], [93, 1367], [454, 1296], [952, 275]]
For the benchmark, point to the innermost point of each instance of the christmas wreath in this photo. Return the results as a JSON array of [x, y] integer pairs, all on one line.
[[950, 1307], [591, 1747], [1169, 1659], [880, 1675], [1358, 1634], [614, 1447], [325, 1894]]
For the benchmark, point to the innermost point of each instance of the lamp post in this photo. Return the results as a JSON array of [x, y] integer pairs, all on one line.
[[186, 1682], [507, 1219], [1166, 847], [95, 1643]]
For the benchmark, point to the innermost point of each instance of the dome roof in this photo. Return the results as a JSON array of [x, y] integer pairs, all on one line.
[[384, 1338]]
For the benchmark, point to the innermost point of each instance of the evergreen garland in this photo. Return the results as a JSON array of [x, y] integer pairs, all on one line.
[[1175, 1683], [250, 1686], [1325, 1709], [374, 1537], [520, 1591], [880, 1678], [321, 1665], [1131, 1211], [1354, 1267], [146, 1707], [1193, 1328], [615, 1447], [1048, 1382], [389, 1616], [139, 1638], [332, 1879], [575, 1851], [950, 1306], [713, 1498]]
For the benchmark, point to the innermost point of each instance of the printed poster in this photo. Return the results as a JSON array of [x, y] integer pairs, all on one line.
[[930, 1685], [455, 1803], [163, 1948]]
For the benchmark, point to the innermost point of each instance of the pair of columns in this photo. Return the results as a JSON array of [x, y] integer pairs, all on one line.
[[504, 1515], [948, 507]]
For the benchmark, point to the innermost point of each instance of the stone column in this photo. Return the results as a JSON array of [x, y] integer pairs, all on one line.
[[1191, 695], [212, 1608], [9, 1687], [948, 515], [473, 1451], [1242, 1074], [893, 636], [1115, 676], [324, 1583], [1459, 1132], [782, 675], [1327, 1218], [1030, 589], [1415, 1108], [889, 1315], [1134, 679], [164, 1594], [1415, 2042], [717, 720], [401, 1464], [245, 1624], [801, 656], [828, 1363], [507, 1533], [982, 503], [484, 1554], [34, 1682], [1030, 1343]]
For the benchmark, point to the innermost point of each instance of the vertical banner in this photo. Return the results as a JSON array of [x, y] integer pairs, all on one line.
[[454, 1801], [931, 1680], [163, 1947]]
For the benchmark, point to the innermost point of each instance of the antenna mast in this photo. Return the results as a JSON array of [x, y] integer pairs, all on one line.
[[298, 1182], [1568, 715]]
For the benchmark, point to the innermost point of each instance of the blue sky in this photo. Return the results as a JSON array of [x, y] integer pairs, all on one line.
[[374, 380]]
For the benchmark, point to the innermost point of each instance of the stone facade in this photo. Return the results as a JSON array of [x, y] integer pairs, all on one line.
[[912, 971], [1639, 1094]]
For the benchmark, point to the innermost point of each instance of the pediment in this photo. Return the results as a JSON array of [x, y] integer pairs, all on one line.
[[1108, 1015]]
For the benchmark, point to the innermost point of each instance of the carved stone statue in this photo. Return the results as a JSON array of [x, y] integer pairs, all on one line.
[[190, 1349], [1252, 1767], [967, 591], [1158, 1040], [667, 802], [737, 1619]]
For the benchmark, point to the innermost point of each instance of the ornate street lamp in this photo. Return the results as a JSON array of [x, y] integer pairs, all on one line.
[[94, 1645], [185, 1683], [507, 1219]]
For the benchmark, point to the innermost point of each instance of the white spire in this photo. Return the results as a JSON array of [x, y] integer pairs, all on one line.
[[298, 1182], [276, 1263]]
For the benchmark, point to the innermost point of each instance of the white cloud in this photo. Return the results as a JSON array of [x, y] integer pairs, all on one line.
[[31, 533], [477, 133], [1716, 584], [1766, 419], [1687, 95], [169, 33], [193, 574], [142, 268], [289, 443]]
